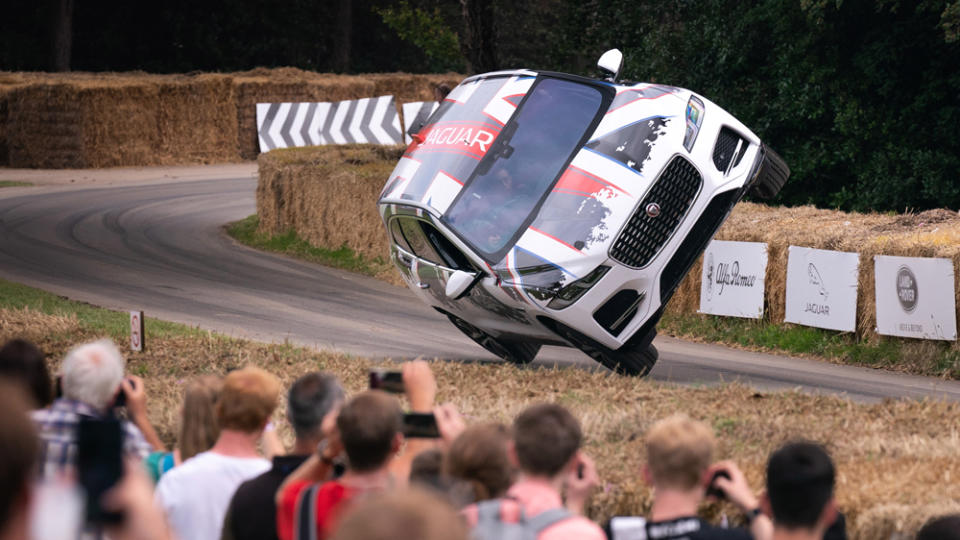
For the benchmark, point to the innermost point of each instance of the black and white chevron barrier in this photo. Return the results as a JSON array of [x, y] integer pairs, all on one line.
[[367, 120], [415, 115]]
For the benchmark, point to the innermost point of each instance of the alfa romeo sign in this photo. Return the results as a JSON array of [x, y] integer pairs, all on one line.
[[732, 279]]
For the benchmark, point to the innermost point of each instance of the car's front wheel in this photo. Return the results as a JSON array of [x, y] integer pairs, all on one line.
[[516, 352], [635, 360]]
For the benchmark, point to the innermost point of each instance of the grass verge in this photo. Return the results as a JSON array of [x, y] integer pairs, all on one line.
[[896, 460], [115, 324], [13, 183], [917, 357], [246, 231]]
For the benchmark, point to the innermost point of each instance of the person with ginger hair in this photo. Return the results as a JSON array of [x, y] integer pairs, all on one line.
[[196, 494]]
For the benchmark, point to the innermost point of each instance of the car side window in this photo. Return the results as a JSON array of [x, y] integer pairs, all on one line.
[[425, 241], [451, 255], [398, 236], [419, 245]]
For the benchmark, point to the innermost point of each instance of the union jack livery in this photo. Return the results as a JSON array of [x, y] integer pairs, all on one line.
[[540, 208]]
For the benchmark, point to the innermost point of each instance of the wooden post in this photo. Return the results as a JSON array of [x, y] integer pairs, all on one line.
[[136, 331]]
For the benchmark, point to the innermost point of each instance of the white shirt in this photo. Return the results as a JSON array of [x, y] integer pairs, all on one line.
[[195, 495]]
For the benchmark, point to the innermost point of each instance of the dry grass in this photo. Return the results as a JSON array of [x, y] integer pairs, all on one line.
[[896, 460], [130, 119]]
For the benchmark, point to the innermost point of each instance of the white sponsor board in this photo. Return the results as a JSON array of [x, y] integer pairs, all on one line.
[[732, 280], [822, 288], [915, 297]]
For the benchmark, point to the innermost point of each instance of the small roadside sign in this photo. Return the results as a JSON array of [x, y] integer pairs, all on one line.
[[136, 330]]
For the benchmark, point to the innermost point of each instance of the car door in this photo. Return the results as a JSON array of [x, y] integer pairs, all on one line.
[[430, 259]]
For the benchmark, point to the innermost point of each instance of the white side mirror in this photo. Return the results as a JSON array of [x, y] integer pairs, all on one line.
[[611, 63], [458, 283]]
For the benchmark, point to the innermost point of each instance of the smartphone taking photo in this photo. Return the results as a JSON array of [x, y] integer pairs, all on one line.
[[386, 380], [99, 464], [420, 426]]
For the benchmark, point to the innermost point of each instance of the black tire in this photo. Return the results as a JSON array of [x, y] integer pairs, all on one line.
[[772, 176], [635, 361], [515, 352]]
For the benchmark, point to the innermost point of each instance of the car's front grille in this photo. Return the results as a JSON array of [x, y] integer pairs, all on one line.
[[726, 145], [651, 226]]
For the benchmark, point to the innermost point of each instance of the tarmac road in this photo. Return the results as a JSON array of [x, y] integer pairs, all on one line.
[[158, 245]]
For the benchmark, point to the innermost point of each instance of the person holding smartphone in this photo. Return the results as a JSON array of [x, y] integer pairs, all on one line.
[[92, 382], [679, 467], [367, 430]]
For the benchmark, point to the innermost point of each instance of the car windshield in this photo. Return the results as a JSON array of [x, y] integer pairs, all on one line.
[[522, 165]]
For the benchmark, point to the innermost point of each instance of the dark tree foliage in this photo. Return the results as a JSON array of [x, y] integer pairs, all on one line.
[[862, 97]]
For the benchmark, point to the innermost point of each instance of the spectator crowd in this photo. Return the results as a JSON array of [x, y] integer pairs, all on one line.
[[80, 458]]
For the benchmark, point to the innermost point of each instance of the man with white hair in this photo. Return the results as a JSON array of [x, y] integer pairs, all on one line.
[[91, 380]]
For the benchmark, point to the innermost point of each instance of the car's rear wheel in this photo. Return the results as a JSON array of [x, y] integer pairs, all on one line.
[[516, 352], [636, 360]]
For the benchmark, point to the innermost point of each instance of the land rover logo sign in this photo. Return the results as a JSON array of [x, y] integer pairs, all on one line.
[[907, 289], [907, 311]]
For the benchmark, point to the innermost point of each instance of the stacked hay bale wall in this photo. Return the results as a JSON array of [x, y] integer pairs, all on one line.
[[134, 119], [327, 195]]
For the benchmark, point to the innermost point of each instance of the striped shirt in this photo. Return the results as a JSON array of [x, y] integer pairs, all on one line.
[[57, 428]]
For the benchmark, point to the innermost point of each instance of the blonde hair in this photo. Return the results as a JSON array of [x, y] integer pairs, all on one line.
[[247, 400], [199, 428], [679, 451]]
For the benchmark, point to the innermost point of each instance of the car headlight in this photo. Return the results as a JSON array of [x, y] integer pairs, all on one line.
[[572, 292], [694, 118]]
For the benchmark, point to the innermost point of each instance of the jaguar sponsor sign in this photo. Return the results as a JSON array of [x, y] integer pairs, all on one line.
[[915, 297], [733, 278], [822, 288]]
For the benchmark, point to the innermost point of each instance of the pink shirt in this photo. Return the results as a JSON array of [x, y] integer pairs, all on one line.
[[535, 497]]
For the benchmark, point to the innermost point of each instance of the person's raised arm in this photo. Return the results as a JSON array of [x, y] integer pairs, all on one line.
[[319, 466], [739, 493], [420, 387], [136, 396]]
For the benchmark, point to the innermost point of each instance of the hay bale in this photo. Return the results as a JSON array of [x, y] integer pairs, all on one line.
[[327, 195], [196, 120], [82, 119]]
